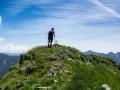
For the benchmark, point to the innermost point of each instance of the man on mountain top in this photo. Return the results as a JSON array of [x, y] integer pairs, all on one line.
[[51, 33]]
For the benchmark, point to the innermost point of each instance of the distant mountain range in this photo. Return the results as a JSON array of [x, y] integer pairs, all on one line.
[[6, 61], [114, 56], [13, 54]]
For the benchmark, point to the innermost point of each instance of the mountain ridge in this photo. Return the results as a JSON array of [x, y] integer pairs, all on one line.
[[114, 56], [61, 68]]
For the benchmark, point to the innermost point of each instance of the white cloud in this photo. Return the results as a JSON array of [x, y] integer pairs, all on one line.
[[106, 8], [12, 48]]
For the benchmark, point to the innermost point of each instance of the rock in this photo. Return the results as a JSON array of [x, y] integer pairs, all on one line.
[[65, 51], [89, 64], [29, 57], [14, 75], [51, 73], [66, 71], [70, 55], [44, 88], [22, 70], [70, 59], [52, 59], [19, 85], [105, 87], [55, 81], [58, 64], [31, 68]]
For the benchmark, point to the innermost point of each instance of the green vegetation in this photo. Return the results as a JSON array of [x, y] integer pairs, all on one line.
[[61, 68]]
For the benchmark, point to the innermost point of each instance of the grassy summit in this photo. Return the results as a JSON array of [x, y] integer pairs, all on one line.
[[61, 68]]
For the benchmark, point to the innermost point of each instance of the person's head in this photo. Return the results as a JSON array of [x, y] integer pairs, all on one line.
[[52, 29]]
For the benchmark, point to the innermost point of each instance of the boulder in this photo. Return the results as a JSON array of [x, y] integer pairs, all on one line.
[[58, 64], [51, 73], [105, 87], [18, 85], [52, 59], [31, 68], [22, 69]]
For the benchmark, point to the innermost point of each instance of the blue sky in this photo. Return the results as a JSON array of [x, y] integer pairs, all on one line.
[[83, 24]]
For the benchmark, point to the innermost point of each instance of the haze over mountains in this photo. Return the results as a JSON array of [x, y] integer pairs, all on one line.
[[6, 61], [114, 56]]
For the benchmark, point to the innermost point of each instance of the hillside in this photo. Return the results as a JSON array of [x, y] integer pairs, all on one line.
[[61, 68], [6, 61]]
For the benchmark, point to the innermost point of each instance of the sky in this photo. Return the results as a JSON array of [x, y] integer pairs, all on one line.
[[83, 24]]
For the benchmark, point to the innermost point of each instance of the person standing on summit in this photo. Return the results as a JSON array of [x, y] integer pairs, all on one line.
[[51, 35]]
